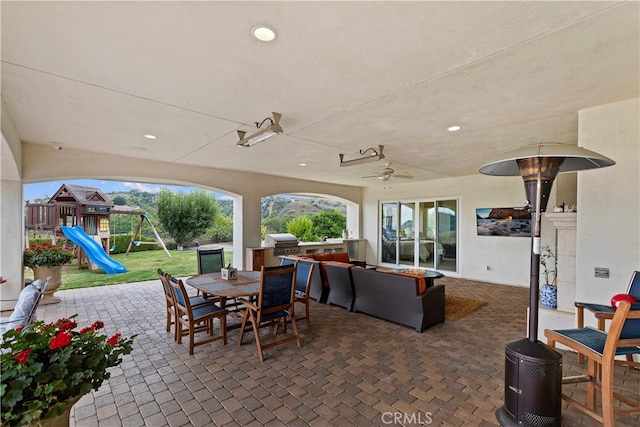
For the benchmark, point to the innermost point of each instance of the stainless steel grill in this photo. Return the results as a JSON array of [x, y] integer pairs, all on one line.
[[282, 243]]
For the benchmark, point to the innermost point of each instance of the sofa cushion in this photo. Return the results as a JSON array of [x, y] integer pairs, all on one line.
[[323, 257], [341, 257], [421, 283]]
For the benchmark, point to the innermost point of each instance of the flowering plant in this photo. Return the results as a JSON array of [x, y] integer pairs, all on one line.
[[549, 265], [44, 366], [46, 255]]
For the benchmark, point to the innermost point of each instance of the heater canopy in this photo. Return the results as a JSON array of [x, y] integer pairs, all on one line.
[[575, 159]]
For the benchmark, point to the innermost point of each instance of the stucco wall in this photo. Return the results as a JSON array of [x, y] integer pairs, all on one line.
[[608, 230]]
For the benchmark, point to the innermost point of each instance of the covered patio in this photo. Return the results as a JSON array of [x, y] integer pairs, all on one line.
[[101, 90], [352, 369]]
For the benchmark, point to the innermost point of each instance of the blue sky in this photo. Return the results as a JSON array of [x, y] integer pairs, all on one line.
[[47, 189]]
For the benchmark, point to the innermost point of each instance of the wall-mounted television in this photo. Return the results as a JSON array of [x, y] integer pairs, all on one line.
[[508, 222]]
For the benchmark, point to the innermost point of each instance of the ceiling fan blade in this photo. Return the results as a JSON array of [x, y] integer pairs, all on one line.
[[403, 176], [372, 176]]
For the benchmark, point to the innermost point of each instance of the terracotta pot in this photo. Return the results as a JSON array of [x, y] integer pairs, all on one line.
[[56, 281]]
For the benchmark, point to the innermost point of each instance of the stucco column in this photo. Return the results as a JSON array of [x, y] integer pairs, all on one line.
[[11, 242], [246, 227]]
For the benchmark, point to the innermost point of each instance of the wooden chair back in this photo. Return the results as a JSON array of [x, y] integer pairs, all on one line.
[[195, 318], [274, 303], [210, 260]]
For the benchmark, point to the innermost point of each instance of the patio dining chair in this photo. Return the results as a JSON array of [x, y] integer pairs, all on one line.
[[196, 318], [209, 261], [275, 302], [601, 348], [170, 306]]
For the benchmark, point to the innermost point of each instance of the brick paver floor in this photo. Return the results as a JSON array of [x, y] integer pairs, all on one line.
[[353, 369]]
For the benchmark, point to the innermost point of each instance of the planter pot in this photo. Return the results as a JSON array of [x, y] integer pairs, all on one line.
[[549, 296], [56, 280], [61, 420]]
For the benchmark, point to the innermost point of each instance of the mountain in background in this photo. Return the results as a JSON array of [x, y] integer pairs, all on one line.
[[285, 206]]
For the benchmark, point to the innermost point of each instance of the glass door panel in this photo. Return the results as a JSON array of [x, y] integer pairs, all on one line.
[[427, 227], [388, 234], [447, 225], [407, 240]]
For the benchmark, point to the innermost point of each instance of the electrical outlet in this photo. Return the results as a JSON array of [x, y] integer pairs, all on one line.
[[602, 272]]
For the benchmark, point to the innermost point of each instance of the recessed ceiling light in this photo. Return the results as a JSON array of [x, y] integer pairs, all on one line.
[[455, 128], [303, 164], [149, 136], [264, 33]]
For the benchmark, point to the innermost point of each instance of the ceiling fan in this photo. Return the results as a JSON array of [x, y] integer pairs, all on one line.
[[387, 173]]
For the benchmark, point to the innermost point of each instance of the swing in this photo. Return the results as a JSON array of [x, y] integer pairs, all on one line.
[[158, 241], [113, 233]]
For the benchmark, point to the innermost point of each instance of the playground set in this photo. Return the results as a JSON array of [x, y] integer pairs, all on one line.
[[82, 215]]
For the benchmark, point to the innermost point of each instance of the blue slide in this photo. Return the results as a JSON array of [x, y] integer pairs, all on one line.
[[94, 250]]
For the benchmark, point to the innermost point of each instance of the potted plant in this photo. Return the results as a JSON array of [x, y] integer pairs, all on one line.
[[548, 290], [46, 368], [47, 260]]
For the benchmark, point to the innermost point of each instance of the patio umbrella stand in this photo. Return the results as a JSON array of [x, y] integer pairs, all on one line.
[[533, 370]]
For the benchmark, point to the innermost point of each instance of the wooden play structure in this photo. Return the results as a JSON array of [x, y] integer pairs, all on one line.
[[87, 207]]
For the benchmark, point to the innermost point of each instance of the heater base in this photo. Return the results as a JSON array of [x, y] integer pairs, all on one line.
[[504, 418], [533, 384]]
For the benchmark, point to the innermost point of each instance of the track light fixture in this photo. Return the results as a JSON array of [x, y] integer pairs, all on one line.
[[368, 155], [272, 130]]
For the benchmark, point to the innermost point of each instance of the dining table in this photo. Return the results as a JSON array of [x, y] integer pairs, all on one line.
[[247, 284]]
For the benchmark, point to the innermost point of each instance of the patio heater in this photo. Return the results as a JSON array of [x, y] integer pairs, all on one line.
[[533, 370]]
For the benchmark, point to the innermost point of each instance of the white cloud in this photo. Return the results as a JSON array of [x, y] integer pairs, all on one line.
[[149, 188]]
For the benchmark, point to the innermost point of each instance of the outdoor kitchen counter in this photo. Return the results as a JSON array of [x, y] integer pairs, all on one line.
[[264, 255], [330, 245]]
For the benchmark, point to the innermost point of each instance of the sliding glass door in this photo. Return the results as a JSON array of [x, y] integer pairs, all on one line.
[[419, 234]]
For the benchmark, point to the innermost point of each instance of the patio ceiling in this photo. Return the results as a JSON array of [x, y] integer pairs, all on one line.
[[98, 76]]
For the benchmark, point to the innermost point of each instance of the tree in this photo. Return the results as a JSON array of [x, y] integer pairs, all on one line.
[[119, 201], [276, 224], [186, 216], [221, 230], [302, 227], [329, 223]]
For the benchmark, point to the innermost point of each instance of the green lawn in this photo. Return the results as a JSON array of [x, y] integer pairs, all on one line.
[[140, 266]]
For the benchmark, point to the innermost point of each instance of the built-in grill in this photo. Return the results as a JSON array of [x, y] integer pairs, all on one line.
[[282, 243]]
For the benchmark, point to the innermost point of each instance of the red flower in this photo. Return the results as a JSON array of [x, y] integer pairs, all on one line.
[[23, 356], [62, 339], [86, 329], [97, 325], [67, 325], [114, 339], [19, 328]]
